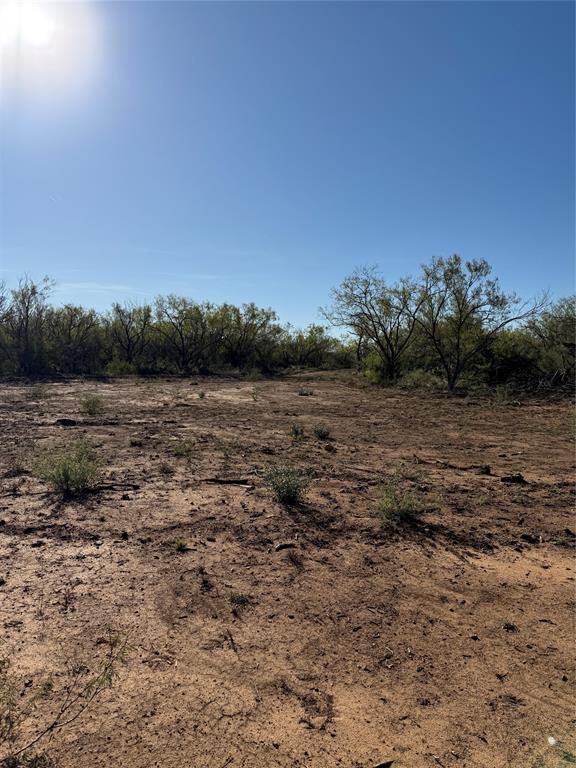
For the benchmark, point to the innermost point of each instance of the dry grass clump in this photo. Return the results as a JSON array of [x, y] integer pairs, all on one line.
[[71, 471]]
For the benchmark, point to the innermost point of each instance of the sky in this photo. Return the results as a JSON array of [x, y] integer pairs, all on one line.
[[260, 151]]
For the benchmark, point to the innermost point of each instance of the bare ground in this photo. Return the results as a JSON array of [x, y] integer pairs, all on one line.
[[447, 644]]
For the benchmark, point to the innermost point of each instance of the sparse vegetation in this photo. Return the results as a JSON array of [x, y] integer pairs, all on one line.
[[304, 392], [239, 600], [322, 432], [296, 431], [181, 546], [183, 449], [91, 405], [201, 394], [33, 711], [288, 484], [71, 471], [135, 442], [398, 508]]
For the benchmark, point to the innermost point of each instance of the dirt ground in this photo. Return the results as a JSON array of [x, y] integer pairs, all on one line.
[[449, 643]]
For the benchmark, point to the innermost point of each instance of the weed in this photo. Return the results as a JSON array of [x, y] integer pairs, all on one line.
[[183, 449], [91, 405], [180, 546], [165, 468], [296, 431], [239, 600], [303, 392], [36, 392], [31, 712], [288, 484], [135, 442], [322, 432], [201, 394], [398, 508], [71, 471]]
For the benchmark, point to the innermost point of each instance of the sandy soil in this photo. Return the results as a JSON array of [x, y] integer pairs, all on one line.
[[447, 644]]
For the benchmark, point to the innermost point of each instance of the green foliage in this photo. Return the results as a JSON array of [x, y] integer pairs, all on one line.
[[420, 379], [91, 405], [71, 471], [398, 508], [288, 484], [135, 442], [304, 392], [296, 431], [322, 432]]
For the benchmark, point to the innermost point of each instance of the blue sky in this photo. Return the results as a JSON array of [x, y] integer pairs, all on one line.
[[259, 151]]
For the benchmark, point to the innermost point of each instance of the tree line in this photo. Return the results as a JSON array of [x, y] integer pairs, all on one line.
[[173, 335], [453, 325]]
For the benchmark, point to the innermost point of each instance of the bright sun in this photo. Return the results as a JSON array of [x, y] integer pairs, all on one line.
[[24, 21], [49, 49]]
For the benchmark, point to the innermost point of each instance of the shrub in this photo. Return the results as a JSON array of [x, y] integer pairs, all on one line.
[[322, 432], [254, 375], [398, 508], [303, 392], [183, 449], [201, 394], [135, 442], [296, 431], [36, 392], [288, 484], [421, 379], [92, 405], [71, 471], [120, 368]]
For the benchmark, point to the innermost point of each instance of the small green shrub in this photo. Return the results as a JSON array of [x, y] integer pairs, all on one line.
[[398, 508], [288, 484], [322, 432], [165, 468], [71, 471], [303, 392], [296, 431], [183, 449], [135, 442], [91, 405], [181, 547], [201, 394]]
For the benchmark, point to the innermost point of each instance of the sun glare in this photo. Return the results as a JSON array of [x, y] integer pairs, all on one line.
[[25, 22], [48, 49]]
